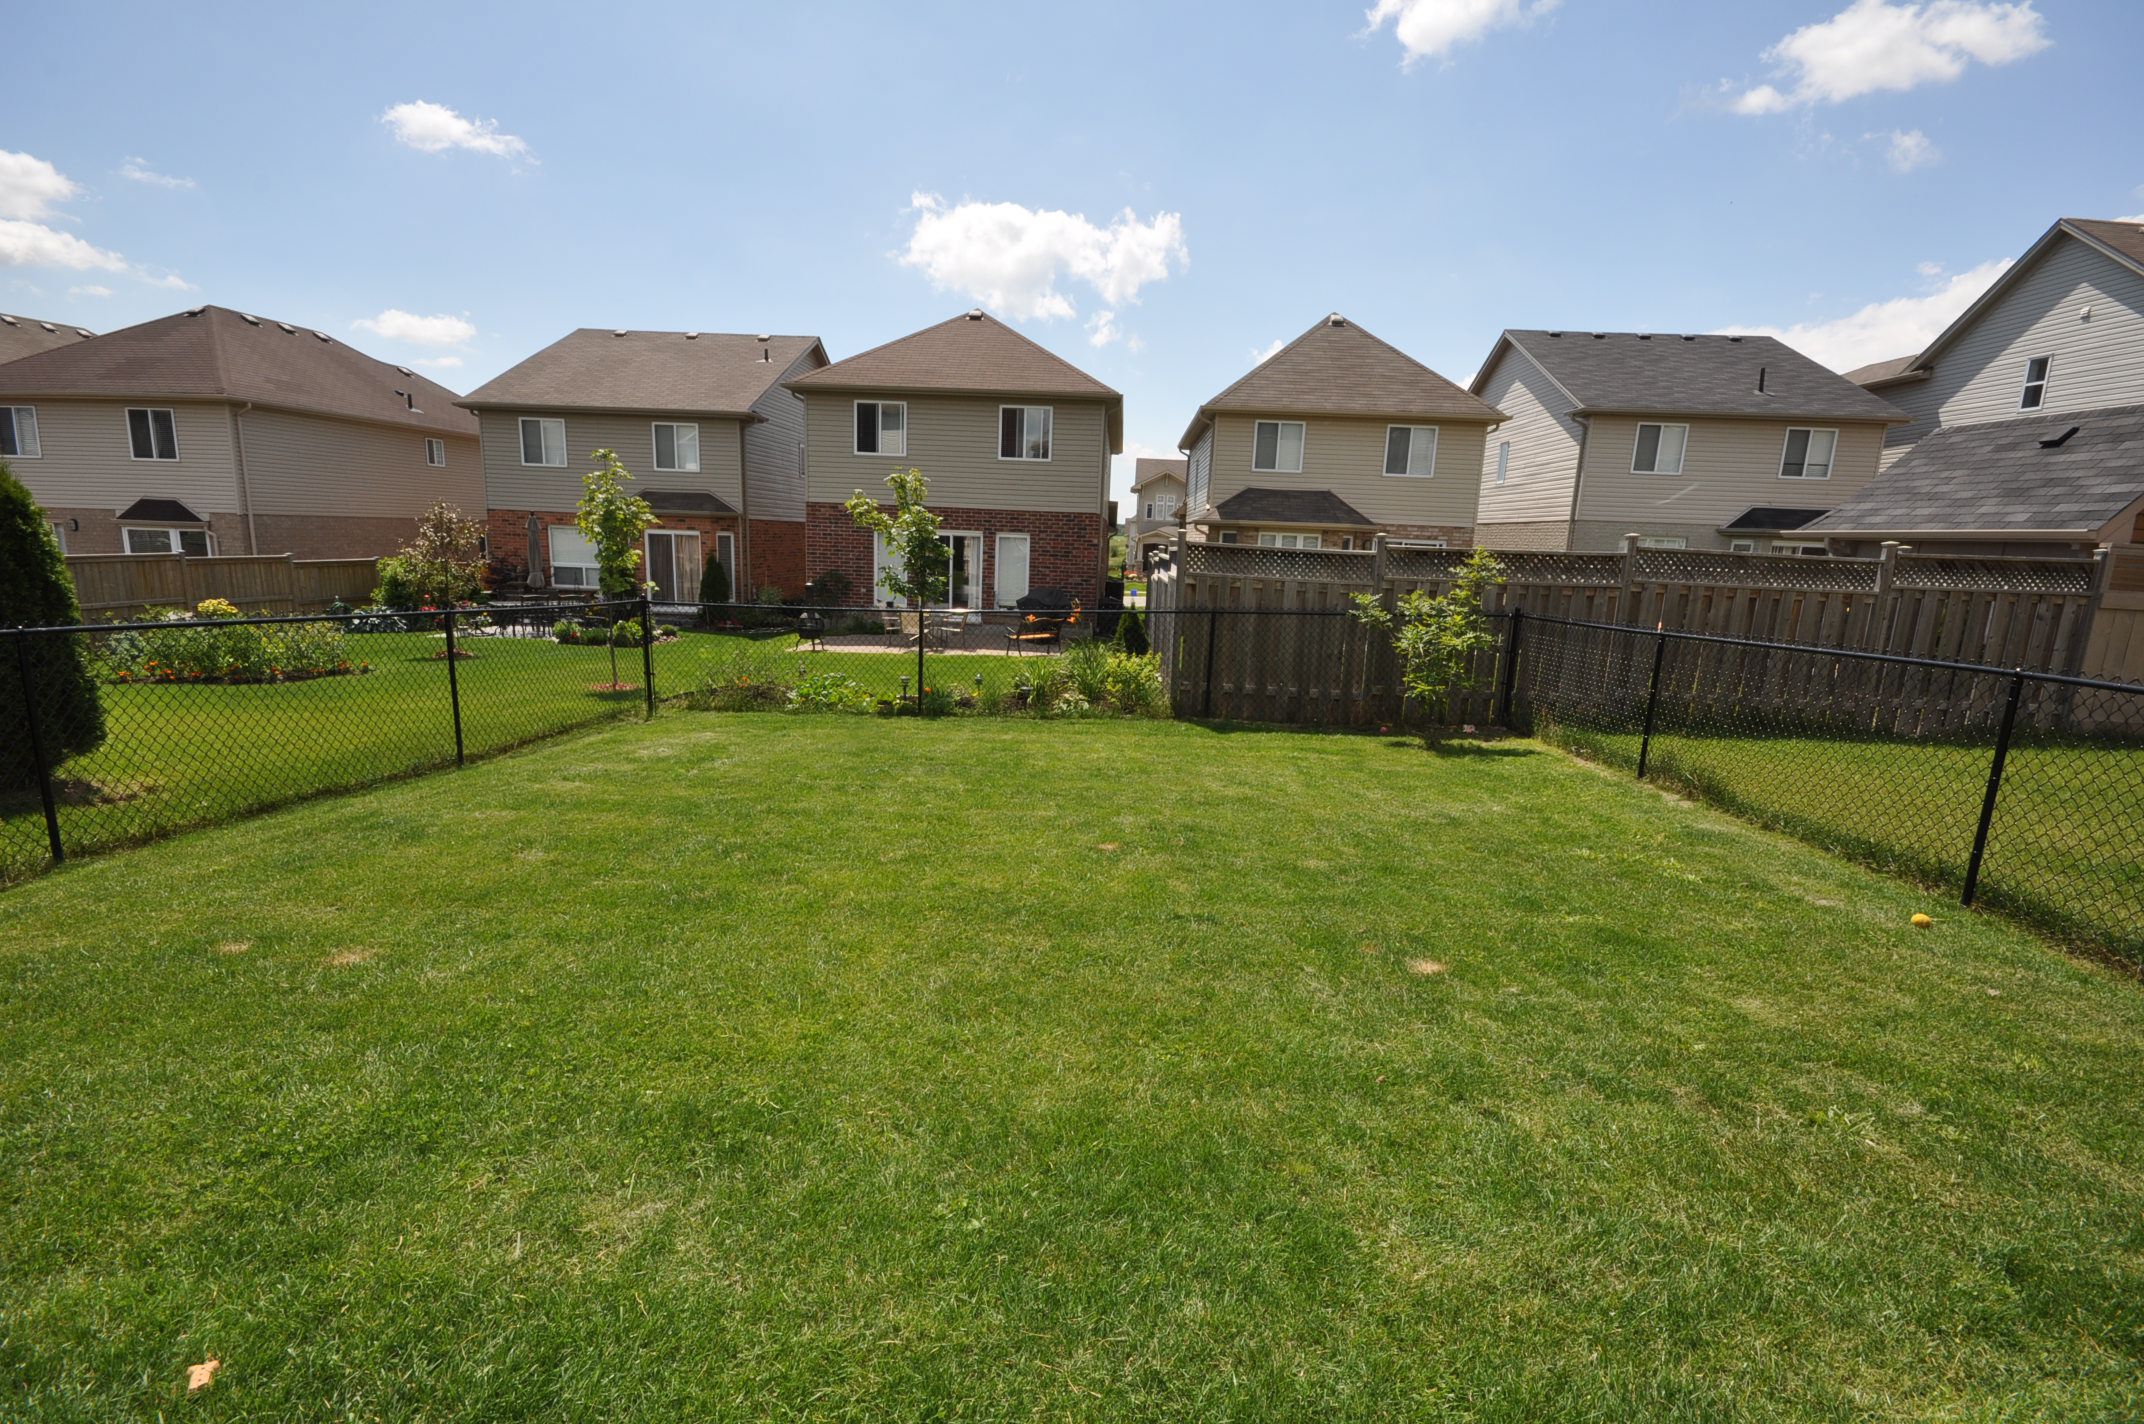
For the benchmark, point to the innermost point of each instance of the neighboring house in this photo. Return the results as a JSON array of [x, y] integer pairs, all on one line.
[[1157, 499], [26, 336], [1333, 439], [1689, 442], [217, 432], [1013, 441], [2055, 346], [700, 419]]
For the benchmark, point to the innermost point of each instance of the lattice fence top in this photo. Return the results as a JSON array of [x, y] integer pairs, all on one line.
[[1262, 561], [1538, 567], [1756, 571], [1995, 575]]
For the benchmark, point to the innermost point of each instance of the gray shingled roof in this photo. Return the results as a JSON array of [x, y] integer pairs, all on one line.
[[1147, 469], [1877, 372], [687, 502], [1337, 368], [1289, 506], [2126, 238], [214, 353], [1667, 374], [22, 336], [698, 373], [165, 511], [1998, 478]]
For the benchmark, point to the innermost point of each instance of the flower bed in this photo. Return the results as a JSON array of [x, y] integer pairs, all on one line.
[[222, 652]]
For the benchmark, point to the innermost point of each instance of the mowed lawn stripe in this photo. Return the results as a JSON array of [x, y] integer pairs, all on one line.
[[735, 1066]]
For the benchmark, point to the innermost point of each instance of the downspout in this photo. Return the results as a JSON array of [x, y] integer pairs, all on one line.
[[744, 514], [1578, 474], [245, 490]]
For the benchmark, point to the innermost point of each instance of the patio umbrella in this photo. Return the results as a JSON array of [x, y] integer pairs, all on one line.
[[535, 552]]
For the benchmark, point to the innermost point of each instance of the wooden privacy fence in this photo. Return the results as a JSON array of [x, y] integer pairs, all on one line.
[[1262, 634], [115, 587]]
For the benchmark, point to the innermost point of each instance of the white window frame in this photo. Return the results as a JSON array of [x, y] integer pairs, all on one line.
[[655, 457], [856, 409], [1414, 432], [543, 423], [435, 452], [1637, 437], [1801, 548], [550, 546], [2029, 385], [1289, 539], [1812, 431], [1302, 447], [1742, 546], [30, 449], [177, 535], [1662, 541], [151, 412], [997, 569], [1503, 461], [59, 533], [1049, 433]]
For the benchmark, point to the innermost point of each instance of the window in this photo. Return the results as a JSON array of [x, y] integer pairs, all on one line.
[[1023, 432], [18, 431], [2035, 393], [1742, 546], [1808, 454], [1012, 569], [1659, 450], [195, 542], [573, 558], [1273, 540], [543, 442], [59, 533], [1228, 536], [677, 446], [154, 433], [1503, 461], [1411, 450], [1277, 447], [882, 427], [1663, 541], [435, 453], [1149, 509], [1801, 548]]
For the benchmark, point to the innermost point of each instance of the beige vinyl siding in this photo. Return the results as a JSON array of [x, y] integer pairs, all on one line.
[[1347, 456], [774, 448], [2097, 362], [309, 464], [1728, 466], [953, 440], [1198, 475], [1544, 445], [509, 484], [1163, 490], [88, 463]]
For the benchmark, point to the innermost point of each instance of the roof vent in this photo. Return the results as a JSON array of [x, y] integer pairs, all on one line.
[[1600, 336], [409, 401], [249, 320], [9, 320], [1689, 338], [83, 331], [1336, 320], [405, 370], [288, 329], [1642, 336], [619, 332], [1555, 336], [2058, 441], [322, 335], [50, 327], [692, 336], [1760, 380], [197, 311], [1736, 339], [975, 313]]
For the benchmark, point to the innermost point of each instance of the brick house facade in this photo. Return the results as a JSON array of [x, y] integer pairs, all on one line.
[[1061, 548]]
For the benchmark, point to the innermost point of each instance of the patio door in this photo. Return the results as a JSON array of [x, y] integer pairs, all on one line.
[[964, 573], [674, 564]]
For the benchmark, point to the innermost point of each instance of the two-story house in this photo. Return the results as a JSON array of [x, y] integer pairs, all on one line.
[[1014, 443], [218, 432], [2025, 429], [1157, 500], [1331, 440], [1689, 442], [699, 418]]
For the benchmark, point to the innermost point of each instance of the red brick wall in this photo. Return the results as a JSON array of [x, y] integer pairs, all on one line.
[[507, 533], [1064, 549], [778, 554]]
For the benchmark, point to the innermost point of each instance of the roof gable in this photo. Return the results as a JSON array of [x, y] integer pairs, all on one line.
[[972, 354], [214, 353], [1644, 373], [715, 373], [2120, 242], [1148, 469]]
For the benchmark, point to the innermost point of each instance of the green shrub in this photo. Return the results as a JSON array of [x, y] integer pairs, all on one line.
[[1087, 670], [36, 591], [831, 589], [232, 652], [741, 693], [830, 692], [1133, 682], [939, 702], [714, 582], [397, 588], [1131, 633], [566, 631]]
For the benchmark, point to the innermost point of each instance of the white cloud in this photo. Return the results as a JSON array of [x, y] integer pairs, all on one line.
[[29, 244], [1431, 29], [1135, 344], [139, 170], [170, 280], [30, 187], [1908, 149], [1102, 328], [2133, 217], [394, 324], [1012, 258], [1877, 45], [1929, 269], [1882, 330], [1259, 356], [435, 128], [438, 363], [92, 289]]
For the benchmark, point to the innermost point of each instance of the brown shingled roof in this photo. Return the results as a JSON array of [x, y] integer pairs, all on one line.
[[1148, 468], [1878, 372], [214, 353], [27, 335], [1337, 368], [2126, 238], [703, 373]]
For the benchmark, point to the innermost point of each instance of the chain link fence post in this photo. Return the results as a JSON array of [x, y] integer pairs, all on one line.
[[1511, 668], [35, 727], [1995, 786], [1652, 699], [454, 687], [647, 650]]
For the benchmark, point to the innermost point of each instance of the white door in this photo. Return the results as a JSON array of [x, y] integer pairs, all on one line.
[[880, 562], [964, 573], [1012, 569]]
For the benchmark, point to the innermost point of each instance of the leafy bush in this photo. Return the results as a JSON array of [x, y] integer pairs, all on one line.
[[36, 591], [1131, 633], [1087, 669], [714, 582], [1091, 677], [741, 693], [830, 692], [939, 702], [1133, 682], [397, 588], [236, 653], [1440, 640], [831, 589]]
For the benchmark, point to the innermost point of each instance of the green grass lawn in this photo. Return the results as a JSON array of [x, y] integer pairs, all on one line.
[[770, 1067]]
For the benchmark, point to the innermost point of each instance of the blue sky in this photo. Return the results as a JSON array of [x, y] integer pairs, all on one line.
[[463, 184]]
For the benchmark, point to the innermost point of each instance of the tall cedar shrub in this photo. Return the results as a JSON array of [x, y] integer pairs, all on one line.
[[1131, 633], [714, 582], [36, 591]]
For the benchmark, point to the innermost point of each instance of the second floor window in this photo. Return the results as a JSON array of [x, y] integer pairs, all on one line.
[[1659, 449], [677, 447], [1023, 432], [543, 442], [154, 434], [2035, 393], [435, 453], [1411, 450], [1808, 454], [18, 431], [881, 428], [1503, 460], [1277, 447]]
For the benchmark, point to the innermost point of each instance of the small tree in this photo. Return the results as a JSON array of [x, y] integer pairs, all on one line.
[[37, 592], [614, 521], [921, 570], [1440, 639], [443, 563], [1131, 633], [714, 582]]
